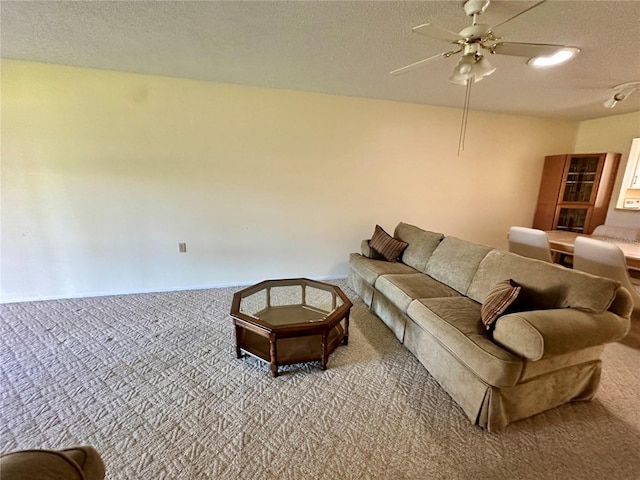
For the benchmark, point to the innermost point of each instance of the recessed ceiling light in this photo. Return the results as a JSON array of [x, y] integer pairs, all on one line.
[[561, 56]]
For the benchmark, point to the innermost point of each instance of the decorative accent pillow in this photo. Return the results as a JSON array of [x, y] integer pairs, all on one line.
[[369, 252], [498, 300], [387, 246]]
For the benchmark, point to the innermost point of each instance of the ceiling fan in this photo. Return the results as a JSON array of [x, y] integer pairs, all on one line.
[[479, 39], [474, 42]]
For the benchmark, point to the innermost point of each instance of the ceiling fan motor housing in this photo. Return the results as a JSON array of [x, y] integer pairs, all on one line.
[[475, 32]]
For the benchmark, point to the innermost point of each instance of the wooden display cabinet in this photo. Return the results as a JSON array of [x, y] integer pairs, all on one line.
[[575, 191]]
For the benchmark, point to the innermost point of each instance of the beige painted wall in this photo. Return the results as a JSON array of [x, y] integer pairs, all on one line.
[[103, 173], [612, 134]]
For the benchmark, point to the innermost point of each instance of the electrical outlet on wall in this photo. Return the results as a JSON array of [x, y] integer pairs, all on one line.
[[632, 203], [182, 247]]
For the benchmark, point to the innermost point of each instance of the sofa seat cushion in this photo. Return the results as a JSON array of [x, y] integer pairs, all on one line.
[[455, 323], [455, 262], [370, 269], [401, 290]]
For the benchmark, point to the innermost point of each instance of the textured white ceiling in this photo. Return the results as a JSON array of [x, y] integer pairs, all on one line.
[[340, 47]]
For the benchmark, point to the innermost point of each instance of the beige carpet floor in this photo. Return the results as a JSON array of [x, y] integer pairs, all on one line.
[[152, 382]]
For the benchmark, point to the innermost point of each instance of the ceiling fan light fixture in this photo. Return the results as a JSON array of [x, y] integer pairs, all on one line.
[[613, 101], [463, 71], [471, 67], [458, 79], [561, 56], [620, 93], [484, 68]]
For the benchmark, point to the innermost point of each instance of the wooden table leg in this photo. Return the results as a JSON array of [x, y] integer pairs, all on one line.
[[325, 347], [238, 333], [273, 353], [345, 339]]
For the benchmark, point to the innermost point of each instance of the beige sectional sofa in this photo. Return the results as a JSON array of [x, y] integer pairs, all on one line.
[[543, 355]]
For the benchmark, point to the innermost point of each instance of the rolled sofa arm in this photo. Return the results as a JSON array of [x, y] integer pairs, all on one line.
[[545, 333], [622, 303]]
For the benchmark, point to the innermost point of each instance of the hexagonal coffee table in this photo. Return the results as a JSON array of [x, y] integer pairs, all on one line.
[[290, 321]]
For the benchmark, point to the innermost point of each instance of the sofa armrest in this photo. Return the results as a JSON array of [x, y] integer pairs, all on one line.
[[622, 303], [369, 252], [546, 333], [76, 463]]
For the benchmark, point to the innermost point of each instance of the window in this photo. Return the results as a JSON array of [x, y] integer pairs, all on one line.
[[630, 188]]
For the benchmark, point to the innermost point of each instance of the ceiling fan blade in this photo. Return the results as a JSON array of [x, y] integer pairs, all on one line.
[[526, 49], [518, 14], [400, 71], [439, 33]]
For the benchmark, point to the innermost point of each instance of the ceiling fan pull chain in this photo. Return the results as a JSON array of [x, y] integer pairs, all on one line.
[[465, 116]]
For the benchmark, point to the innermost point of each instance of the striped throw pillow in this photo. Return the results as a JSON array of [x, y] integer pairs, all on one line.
[[499, 298], [387, 246]]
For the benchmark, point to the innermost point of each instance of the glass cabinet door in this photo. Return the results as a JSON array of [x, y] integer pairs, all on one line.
[[581, 179], [571, 219]]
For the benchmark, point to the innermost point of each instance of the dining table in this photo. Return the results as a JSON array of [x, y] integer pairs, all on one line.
[[562, 241]]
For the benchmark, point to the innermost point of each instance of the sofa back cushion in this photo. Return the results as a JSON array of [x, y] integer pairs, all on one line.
[[544, 285], [421, 245], [455, 262]]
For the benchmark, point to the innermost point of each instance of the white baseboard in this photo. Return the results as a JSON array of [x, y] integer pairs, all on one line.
[[150, 290]]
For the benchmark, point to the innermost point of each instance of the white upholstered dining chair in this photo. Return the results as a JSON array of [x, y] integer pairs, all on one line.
[[530, 242], [622, 234], [606, 260]]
